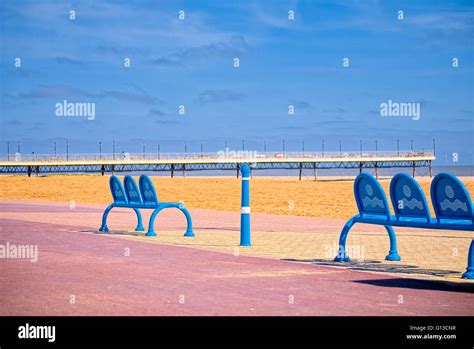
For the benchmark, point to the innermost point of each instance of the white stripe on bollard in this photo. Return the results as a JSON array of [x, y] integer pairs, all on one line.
[[245, 178], [245, 210]]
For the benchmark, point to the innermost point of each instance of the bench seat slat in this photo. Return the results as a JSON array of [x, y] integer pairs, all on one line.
[[451, 224]]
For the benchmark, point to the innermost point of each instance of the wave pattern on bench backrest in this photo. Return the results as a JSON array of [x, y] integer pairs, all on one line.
[[450, 198], [408, 199], [369, 196], [118, 193], [131, 189], [148, 190]]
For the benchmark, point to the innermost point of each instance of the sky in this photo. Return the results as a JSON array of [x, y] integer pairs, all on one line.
[[190, 62]]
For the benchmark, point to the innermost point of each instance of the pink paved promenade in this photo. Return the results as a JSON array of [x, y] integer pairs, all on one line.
[[89, 215], [156, 279], [170, 220]]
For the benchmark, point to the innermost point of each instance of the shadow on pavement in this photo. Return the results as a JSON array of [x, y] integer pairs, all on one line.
[[378, 266], [431, 285]]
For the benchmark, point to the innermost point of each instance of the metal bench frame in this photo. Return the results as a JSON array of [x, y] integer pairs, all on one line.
[[451, 201], [130, 196]]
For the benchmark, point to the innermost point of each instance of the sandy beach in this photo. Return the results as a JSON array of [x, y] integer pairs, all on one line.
[[329, 197]]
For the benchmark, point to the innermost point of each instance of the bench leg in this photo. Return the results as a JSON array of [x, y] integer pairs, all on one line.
[[393, 253], [189, 229], [342, 255], [151, 224], [104, 227], [139, 217], [469, 274]]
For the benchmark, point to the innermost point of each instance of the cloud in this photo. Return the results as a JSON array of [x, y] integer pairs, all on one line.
[[203, 54], [464, 115], [337, 110], [292, 128], [338, 122], [301, 105], [141, 98], [65, 91], [447, 21], [68, 60], [219, 96], [53, 91], [279, 17], [38, 126], [14, 123], [168, 62], [115, 48], [102, 23], [167, 122], [162, 118], [106, 48], [156, 112], [445, 28]]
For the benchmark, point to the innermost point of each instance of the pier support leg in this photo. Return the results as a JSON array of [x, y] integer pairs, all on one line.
[[414, 168], [301, 171], [172, 171]]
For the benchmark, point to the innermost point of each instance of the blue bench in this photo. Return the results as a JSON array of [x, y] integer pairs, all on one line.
[[130, 196], [451, 202]]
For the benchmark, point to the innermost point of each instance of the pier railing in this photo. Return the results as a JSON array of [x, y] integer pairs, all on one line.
[[243, 155]]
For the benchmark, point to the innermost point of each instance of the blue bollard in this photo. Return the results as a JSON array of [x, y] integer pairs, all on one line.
[[245, 206], [469, 274]]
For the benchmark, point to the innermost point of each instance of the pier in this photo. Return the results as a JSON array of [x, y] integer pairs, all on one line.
[[225, 161]]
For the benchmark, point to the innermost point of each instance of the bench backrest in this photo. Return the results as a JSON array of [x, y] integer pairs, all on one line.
[[132, 191], [450, 198], [369, 196], [118, 193], [148, 190], [408, 199]]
